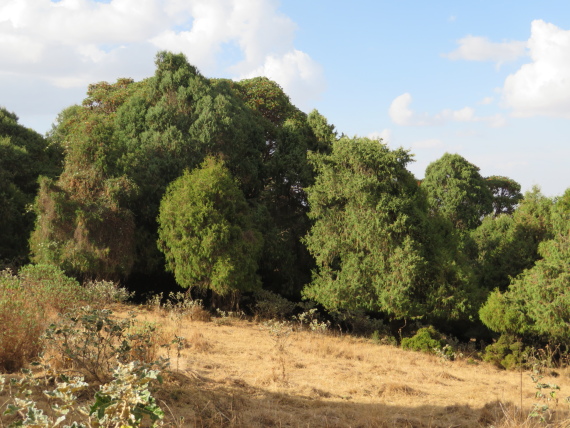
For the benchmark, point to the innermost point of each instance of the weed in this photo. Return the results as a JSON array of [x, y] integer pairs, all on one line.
[[226, 317], [27, 302], [123, 402], [279, 332], [92, 341], [310, 319], [104, 293]]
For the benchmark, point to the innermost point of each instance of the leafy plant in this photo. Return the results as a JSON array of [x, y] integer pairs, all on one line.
[[269, 305], [27, 301], [102, 293], [427, 339], [92, 341], [506, 353], [124, 402]]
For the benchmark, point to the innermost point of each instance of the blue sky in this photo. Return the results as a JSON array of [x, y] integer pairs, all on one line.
[[489, 80]]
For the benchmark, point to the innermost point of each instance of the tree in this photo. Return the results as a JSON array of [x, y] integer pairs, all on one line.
[[206, 231], [365, 206], [538, 300], [456, 190], [506, 194], [83, 224], [507, 244], [24, 156]]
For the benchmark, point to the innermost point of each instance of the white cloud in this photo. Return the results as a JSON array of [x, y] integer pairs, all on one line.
[[401, 114], [542, 87], [486, 101], [299, 75], [72, 43], [385, 135], [473, 48]]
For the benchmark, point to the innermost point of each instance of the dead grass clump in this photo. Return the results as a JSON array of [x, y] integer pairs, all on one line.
[[199, 343], [396, 389], [448, 376], [198, 313]]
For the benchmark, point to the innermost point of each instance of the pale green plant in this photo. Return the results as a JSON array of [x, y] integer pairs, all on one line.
[[310, 319], [226, 317], [102, 293], [279, 331], [92, 341], [124, 402]]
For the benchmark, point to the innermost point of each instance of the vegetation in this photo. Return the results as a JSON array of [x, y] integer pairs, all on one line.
[[228, 190]]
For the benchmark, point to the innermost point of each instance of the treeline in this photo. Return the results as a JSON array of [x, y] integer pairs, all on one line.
[[232, 189]]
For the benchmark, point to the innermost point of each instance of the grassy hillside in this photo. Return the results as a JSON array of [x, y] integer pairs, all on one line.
[[232, 372]]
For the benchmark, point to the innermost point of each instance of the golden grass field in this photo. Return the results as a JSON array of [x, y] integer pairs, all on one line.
[[237, 373], [240, 373]]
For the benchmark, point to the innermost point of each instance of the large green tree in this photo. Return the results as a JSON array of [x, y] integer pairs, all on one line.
[[207, 232], [537, 302], [129, 140], [24, 156], [365, 205], [507, 244], [457, 191]]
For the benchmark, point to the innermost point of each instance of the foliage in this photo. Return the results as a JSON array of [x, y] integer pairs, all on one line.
[[269, 305], [456, 190], [24, 156], [506, 353], [92, 341], [427, 339], [26, 302], [365, 207], [537, 301], [282, 205], [206, 231], [506, 194], [125, 401], [103, 293], [506, 245]]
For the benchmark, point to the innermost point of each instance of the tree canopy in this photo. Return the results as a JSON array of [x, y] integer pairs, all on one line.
[[24, 156], [206, 231], [364, 237]]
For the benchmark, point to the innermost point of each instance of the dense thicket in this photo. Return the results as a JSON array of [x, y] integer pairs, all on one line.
[[230, 187], [24, 156]]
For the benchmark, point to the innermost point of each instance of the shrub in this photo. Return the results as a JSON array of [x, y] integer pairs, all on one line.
[[123, 402], [427, 339], [103, 293], [506, 353], [270, 305], [27, 301], [92, 341]]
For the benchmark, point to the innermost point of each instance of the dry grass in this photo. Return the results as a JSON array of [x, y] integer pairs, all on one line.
[[238, 374]]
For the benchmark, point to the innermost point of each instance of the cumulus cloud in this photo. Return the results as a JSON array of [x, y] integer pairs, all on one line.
[[71, 43], [401, 114], [542, 87], [473, 48], [385, 135]]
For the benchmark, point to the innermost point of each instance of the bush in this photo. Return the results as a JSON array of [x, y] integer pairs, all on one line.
[[427, 339], [92, 342], [103, 293], [269, 305], [506, 353], [123, 402], [27, 302]]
